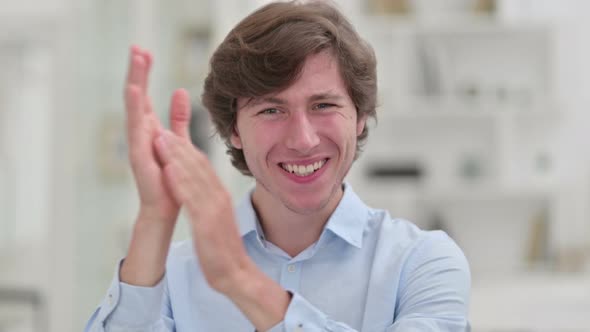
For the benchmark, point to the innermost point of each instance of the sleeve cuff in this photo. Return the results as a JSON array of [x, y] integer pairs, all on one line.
[[301, 316], [280, 327], [131, 306]]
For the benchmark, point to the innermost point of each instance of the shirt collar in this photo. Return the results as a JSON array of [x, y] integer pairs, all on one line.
[[247, 218], [348, 220]]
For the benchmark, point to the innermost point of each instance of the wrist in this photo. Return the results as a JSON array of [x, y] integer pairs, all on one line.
[[145, 262], [260, 298], [152, 215]]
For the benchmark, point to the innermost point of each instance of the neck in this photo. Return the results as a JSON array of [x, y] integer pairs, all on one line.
[[290, 230]]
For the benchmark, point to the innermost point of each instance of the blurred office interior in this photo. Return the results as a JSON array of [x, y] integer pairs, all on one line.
[[483, 131]]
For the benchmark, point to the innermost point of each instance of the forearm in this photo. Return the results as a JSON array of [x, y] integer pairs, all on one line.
[[145, 262], [260, 298]]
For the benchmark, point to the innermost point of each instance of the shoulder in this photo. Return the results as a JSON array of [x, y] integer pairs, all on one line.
[[400, 231], [419, 248], [437, 250]]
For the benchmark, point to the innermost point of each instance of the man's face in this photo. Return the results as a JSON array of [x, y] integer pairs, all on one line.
[[300, 143]]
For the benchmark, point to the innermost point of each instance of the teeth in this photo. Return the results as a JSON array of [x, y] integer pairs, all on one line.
[[303, 170]]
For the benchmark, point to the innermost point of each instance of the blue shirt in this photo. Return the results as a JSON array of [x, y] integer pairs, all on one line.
[[367, 272]]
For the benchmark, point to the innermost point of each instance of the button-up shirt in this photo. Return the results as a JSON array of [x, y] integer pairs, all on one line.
[[367, 272]]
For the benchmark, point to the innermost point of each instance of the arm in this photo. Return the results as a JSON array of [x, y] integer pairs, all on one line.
[[222, 256], [138, 285], [432, 295], [434, 289], [152, 232]]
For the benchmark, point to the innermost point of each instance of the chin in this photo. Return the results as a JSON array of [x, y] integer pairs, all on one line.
[[310, 203], [305, 208]]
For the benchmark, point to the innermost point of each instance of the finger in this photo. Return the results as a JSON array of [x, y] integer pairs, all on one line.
[[195, 166], [173, 178], [180, 113], [138, 69], [147, 56], [165, 145], [183, 182], [188, 167], [135, 120], [172, 148], [133, 105]]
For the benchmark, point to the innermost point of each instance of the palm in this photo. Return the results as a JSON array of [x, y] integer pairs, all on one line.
[[149, 177]]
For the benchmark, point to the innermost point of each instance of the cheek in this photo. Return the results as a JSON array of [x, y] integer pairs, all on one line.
[[339, 129], [260, 139]]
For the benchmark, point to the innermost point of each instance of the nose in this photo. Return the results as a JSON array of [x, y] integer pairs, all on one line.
[[301, 134]]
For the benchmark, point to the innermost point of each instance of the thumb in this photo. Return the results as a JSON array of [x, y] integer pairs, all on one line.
[[180, 113]]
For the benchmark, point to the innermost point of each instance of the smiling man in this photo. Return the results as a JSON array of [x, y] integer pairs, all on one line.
[[290, 90], [299, 144]]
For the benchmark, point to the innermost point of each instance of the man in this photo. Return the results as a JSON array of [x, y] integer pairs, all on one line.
[[290, 90]]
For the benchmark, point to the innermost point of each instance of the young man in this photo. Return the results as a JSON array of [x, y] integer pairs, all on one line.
[[290, 90]]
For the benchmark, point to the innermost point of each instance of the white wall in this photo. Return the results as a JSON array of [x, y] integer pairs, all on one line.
[[29, 9]]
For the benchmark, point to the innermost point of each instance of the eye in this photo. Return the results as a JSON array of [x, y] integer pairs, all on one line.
[[269, 111], [323, 106]]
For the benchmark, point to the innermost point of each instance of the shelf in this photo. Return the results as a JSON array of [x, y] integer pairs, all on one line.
[[439, 107], [462, 25], [465, 193], [472, 100]]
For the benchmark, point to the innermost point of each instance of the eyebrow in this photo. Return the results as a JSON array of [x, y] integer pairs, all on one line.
[[275, 100]]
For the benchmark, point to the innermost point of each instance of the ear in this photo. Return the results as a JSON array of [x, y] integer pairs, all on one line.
[[235, 139], [360, 125]]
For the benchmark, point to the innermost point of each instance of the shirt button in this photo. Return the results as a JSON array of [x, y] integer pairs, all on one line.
[[291, 268], [110, 299], [299, 328]]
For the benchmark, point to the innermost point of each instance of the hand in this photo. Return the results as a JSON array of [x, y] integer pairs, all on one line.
[[195, 185], [152, 233], [142, 127]]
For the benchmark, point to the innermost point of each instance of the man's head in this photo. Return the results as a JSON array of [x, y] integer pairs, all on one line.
[[265, 53]]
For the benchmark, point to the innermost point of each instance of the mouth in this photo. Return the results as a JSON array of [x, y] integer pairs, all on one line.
[[303, 170]]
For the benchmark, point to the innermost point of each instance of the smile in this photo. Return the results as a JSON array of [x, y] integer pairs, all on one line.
[[303, 170]]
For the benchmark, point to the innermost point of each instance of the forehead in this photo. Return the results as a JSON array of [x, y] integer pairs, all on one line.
[[320, 64], [320, 75]]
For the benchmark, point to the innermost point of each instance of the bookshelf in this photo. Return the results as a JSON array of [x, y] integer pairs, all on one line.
[[468, 102]]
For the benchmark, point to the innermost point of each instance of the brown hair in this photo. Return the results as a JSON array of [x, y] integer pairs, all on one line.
[[265, 53]]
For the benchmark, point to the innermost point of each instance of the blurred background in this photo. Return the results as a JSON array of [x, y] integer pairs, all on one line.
[[483, 132]]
